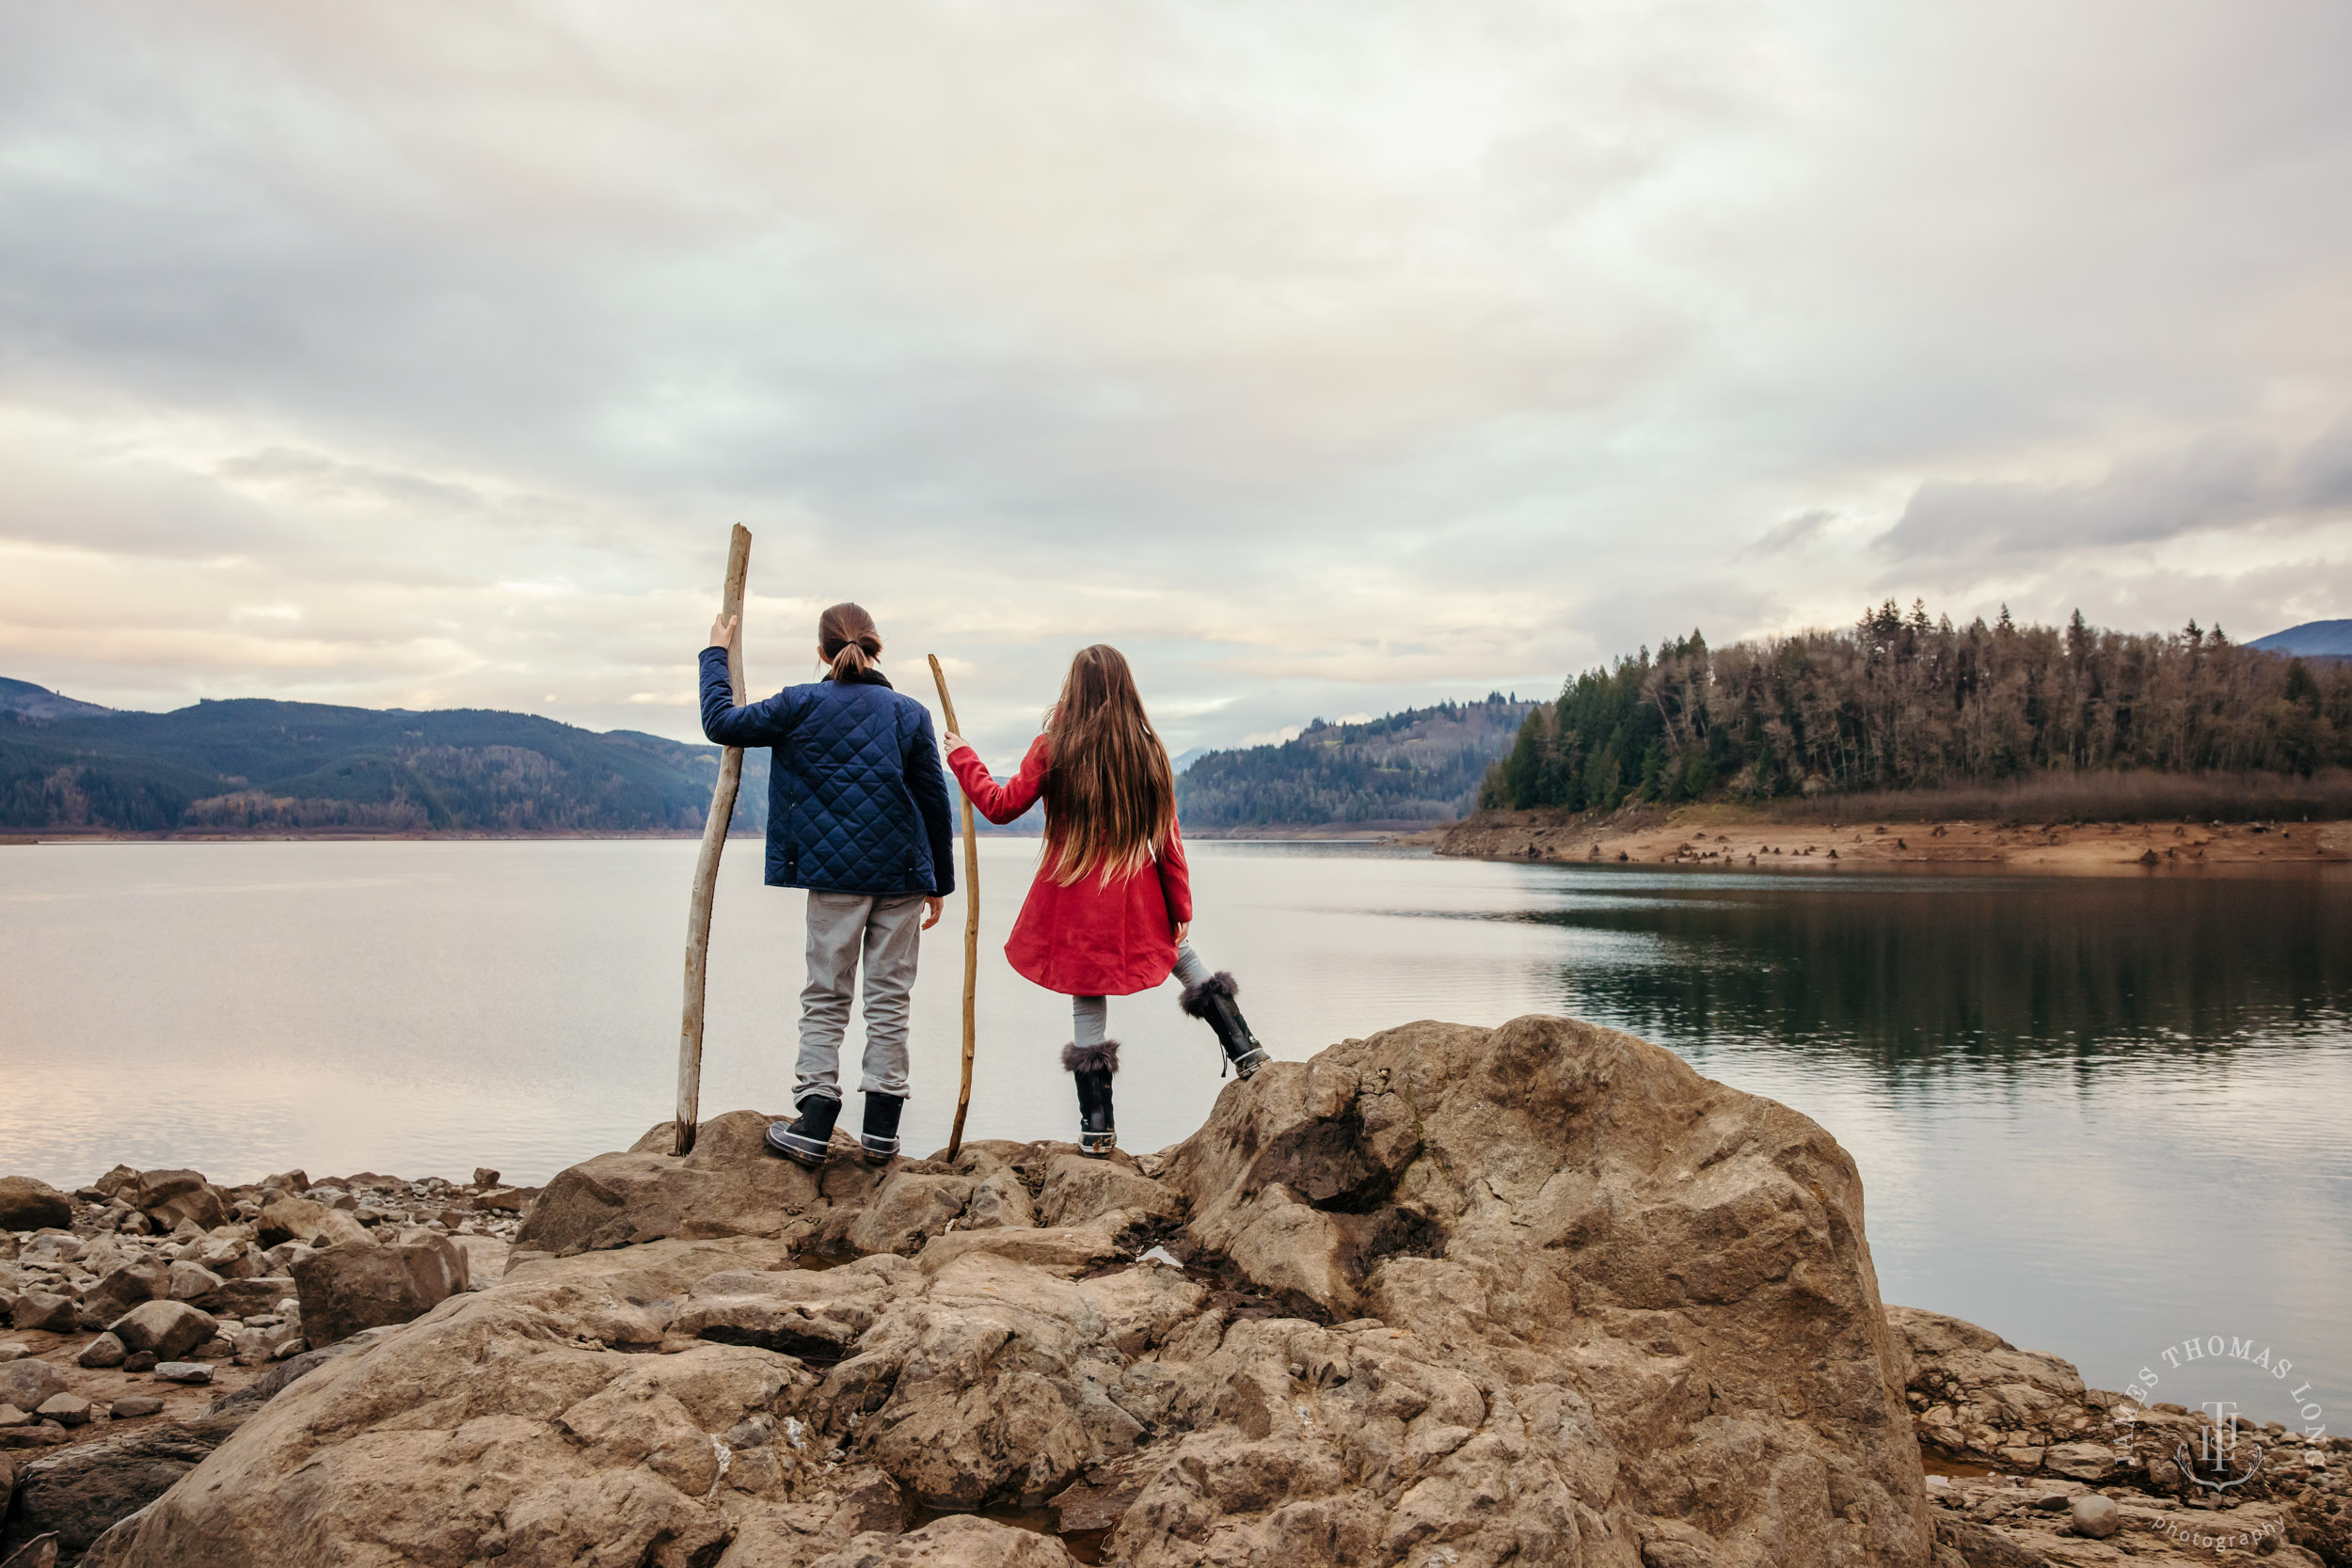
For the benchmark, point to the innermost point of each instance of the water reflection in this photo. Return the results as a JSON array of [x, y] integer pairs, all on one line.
[[1911, 973]]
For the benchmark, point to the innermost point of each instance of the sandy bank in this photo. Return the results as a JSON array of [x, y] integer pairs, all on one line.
[[1724, 835]]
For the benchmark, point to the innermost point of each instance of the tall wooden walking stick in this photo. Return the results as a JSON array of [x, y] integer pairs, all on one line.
[[690, 1038], [971, 929]]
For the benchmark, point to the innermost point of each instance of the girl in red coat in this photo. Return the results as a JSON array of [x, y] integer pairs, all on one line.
[[1108, 911]]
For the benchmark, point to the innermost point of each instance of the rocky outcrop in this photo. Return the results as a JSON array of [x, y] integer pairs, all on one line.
[[133, 1314], [1446, 1295], [727, 1187], [2038, 1470]]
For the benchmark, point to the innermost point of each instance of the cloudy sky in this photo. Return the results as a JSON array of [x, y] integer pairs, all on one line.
[[1326, 357]]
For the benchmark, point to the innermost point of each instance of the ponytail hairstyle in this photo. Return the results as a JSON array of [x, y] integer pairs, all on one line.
[[1110, 795], [848, 640]]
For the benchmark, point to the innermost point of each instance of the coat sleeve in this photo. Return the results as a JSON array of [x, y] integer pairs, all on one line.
[[760, 723], [928, 785], [1175, 876], [1000, 804]]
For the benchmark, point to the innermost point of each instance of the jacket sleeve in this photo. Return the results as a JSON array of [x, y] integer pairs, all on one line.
[[760, 723], [928, 785], [1175, 876], [1000, 804]]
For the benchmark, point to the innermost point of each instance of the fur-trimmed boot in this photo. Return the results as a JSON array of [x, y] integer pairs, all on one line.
[[1212, 1002], [1091, 1068], [805, 1139]]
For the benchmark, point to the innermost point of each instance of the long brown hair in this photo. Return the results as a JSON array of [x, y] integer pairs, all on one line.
[[847, 637], [1110, 795]]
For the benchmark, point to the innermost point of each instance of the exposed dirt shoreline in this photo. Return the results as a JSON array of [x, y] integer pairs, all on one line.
[[1715, 836]]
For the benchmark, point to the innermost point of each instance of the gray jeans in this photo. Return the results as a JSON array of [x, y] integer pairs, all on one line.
[[889, 931], [1091, 1016]]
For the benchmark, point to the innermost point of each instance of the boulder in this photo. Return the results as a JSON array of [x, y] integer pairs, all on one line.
[[164, 1329], [728, 1186], [123, 1288], [306, 1221], [25, 1384], [360, 1285], [67, 1410], [40, 1552], [104, 1351], [170, 1198], [29, 1205], [2094, 1515], [79, 1492], [39, 1311], [193, 1282], [184, 1371], [1533, 1295]]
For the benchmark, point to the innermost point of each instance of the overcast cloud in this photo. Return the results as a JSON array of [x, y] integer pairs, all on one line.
[[1326, 357]]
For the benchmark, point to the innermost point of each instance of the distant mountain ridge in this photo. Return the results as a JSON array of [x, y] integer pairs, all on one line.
[[1422, 764], [2312, 640], [254, 765], [39, 702]]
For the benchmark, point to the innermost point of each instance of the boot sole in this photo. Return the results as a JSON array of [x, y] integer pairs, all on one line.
[[1248, 1065], [1097, 1146], [880, 1156], [800, 1150]]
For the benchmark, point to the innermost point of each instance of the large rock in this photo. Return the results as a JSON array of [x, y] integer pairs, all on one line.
[[25, 1384], [358, 1285], [1536, 1295], [164, 1329], [29, 1205], [43, 1311], [127, 1285], [730, 1185], [169, 1196], [79, 1492], [307, 1221]]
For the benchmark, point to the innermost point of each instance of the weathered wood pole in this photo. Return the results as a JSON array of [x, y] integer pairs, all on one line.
[[690, 1038], [971, 932]]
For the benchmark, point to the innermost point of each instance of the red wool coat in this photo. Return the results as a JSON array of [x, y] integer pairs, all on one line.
[[1098, 936]]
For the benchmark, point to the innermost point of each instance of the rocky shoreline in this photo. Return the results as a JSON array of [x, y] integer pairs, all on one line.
[[1724, 837], [1442, 1297]]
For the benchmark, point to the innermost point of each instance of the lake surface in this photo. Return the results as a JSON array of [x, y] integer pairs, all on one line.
[[2096, 1115]]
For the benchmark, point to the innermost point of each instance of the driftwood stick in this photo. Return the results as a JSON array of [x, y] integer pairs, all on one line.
[[689, 1039], [971, 932]]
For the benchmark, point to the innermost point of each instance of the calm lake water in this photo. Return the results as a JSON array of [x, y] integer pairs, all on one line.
[[2096, 1115]]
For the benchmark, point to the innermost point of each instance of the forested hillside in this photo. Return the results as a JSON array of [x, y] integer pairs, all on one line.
[[1902, 703], [261, 766], [1422, 764]]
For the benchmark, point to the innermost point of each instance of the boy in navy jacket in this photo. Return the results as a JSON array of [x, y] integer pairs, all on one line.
[[858, 815]]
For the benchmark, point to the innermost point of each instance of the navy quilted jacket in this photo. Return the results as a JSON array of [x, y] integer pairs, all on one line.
[[856, 800]]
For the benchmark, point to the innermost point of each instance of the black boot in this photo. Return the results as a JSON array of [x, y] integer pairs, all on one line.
[[805, 1139], [1090, 1069], [881, 1138], [1212, 1002]]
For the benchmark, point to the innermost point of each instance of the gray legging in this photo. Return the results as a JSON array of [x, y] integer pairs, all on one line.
[[1091, 1016]]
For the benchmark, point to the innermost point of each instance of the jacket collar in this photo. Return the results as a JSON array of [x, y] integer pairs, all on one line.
[[863, 678]]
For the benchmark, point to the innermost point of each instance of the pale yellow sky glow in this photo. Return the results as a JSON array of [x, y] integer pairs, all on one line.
[[1326, 357]]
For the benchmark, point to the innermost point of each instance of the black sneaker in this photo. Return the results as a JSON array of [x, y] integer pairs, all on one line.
[[805, 1139], [881, 1138]]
